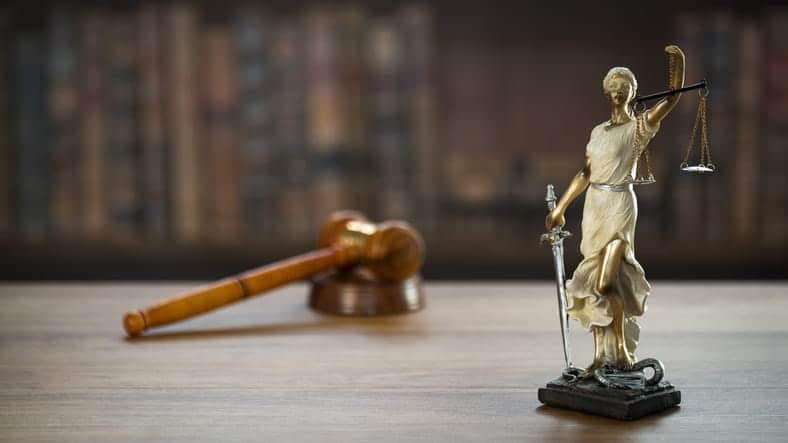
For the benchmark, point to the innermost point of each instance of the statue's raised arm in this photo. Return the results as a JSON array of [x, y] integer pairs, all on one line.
[[675, 80]]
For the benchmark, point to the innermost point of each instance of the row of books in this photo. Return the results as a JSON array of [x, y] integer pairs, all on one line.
[[207, 123], [745, 201], [185, 122]]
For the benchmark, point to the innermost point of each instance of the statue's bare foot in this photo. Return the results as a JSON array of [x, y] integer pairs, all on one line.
[[589, 371], [627, 364]]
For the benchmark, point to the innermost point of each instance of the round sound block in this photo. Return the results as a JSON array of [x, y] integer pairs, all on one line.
[[358, 293]]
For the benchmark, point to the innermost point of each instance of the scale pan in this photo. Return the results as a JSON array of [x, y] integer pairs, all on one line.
[[701, 169]]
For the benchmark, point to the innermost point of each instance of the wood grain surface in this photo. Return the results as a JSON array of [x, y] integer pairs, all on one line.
[[465, 369]]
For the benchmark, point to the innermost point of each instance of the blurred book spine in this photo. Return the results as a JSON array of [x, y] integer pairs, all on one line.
[[32, 153], [92, 127], [252, 38], [63, 77], [388, 136], [181, 41], [221, 172], [722, 116], [6, 195], [123, 159], [153, 165], [774, 189], [352, 31], [473, 177], [749, 90], [417, 23], [292, 204], [326, 123]]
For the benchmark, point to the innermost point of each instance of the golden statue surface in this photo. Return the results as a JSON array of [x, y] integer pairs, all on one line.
[[608, 290]]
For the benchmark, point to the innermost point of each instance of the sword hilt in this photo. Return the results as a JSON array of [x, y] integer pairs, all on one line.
[[550, 197], [554, 235]]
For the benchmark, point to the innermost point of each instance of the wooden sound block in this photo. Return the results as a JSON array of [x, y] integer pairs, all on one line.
[[358, 292]]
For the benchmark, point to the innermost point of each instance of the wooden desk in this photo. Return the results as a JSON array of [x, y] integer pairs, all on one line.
[[465, 369]]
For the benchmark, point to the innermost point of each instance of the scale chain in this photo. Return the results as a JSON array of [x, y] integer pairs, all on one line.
[[638, 149], [705, 150], [704, 138]]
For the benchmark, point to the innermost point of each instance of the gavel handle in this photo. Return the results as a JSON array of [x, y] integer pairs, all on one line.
[[239, 287]]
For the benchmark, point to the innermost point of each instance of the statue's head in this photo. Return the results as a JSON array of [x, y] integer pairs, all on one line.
[[619, 85]]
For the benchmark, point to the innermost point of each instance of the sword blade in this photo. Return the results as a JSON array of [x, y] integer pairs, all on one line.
[[563, 315], [556, 237]]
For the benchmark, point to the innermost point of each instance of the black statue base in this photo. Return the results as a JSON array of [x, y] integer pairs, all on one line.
[[588, 395]]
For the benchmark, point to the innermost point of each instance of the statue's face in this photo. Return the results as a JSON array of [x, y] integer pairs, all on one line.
[[619, 90]]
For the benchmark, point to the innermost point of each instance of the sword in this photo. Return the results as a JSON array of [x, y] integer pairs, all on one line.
[[556, 238]]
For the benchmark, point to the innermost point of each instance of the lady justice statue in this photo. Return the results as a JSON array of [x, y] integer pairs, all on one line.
[[608, 289]]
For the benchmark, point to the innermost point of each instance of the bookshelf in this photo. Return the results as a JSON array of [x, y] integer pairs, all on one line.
[[191, 139]]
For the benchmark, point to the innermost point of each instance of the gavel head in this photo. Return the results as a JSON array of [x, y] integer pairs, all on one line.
[[392, 250]]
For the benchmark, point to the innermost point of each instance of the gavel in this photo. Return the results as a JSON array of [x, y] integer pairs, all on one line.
[[378, 259]]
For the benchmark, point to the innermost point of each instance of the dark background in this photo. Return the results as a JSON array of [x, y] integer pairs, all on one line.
[[460, 131]]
